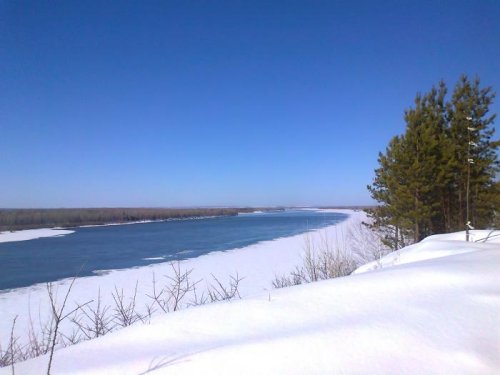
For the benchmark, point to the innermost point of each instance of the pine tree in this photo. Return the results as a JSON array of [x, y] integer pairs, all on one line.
[[390, 217], [424, 145], [475, 158], [444, 160]]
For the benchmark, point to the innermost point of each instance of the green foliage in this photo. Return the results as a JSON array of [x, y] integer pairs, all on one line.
[[446, 153]]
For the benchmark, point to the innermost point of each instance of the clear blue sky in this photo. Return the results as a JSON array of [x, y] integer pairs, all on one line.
[[188, 103]]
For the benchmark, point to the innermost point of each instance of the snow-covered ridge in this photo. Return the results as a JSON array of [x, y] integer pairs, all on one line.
[[437, 246], [430, 315]]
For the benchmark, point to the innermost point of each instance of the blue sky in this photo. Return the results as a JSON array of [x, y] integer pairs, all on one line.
[[189, 103]]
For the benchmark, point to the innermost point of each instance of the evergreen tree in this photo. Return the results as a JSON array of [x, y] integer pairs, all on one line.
[[389, 178], [445, 159], [424, 148], [475, 157]]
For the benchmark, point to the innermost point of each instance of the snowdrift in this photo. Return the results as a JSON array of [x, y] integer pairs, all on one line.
[[431, 308]]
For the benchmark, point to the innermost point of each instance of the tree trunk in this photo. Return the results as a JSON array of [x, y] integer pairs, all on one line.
[[416, 235]]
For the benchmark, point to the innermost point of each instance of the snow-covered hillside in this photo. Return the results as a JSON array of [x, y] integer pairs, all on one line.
[[432, 308]]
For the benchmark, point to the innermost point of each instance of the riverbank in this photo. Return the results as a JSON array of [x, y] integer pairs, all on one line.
[[257, 264], [430, 308], [23, 234], [32, 234]]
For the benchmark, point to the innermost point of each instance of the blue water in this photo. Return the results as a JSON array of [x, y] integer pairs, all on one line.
[[123, 246]]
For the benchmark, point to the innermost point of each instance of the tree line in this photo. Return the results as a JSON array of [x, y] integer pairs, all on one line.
[[440, 175], [16, 219]]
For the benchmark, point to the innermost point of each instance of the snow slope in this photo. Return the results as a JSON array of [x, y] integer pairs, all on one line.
[[436, 246], [257, 264], [421, 314]]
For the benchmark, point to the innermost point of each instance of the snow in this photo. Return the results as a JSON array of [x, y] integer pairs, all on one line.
[[258, 264], [250, 213], [449, 244], [432, 308], [31, 234]]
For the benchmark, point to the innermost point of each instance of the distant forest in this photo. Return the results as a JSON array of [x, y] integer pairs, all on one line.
[[16, 219]]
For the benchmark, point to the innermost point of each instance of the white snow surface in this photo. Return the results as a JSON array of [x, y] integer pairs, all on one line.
[[418, 313], [31, 234], [449, 244], [258, 264]]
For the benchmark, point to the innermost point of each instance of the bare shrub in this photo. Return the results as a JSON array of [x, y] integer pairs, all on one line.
[[39, 339], [13, 352], [365, 243], [94, 319], [170, 296], [220, 292], [58, 316], [327, 258], [125, 313]]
